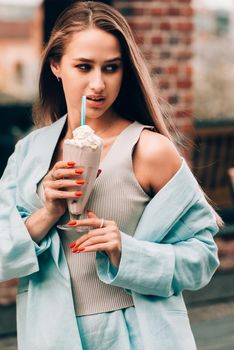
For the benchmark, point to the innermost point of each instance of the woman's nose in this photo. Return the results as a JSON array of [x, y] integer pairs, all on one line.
[[97, 83]]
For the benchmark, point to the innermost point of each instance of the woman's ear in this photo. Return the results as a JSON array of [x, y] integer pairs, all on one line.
[[55, 67]]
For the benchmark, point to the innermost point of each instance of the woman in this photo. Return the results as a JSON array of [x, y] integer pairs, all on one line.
[[151, 227]]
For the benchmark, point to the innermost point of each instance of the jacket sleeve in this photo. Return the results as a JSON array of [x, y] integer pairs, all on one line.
[[17, 250], [185, 259], [45, 242]]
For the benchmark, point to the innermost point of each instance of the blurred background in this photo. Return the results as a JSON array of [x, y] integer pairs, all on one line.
[[189, 48]]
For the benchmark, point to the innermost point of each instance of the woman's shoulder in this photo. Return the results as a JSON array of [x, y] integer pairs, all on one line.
[[156, 146], [159, 156]]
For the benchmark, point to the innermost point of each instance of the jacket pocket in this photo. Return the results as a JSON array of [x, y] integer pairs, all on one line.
[[177, 333]]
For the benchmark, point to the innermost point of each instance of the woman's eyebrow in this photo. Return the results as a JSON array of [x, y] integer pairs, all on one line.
[[82, 59]]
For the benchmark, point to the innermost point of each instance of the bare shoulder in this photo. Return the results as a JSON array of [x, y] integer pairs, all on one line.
[[157, 146], [160, 158]]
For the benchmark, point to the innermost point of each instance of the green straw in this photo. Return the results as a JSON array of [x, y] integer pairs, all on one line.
[[83, 110]]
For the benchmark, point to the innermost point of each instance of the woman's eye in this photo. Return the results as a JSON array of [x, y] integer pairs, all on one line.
[[111, 68], [83, 67]]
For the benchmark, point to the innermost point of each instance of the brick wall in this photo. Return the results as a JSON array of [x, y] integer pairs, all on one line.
[[163, 29]]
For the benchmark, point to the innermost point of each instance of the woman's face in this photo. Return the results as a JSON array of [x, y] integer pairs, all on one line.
[[91, 66]]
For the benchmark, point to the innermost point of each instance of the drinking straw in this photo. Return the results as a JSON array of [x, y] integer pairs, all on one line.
[[83, 110]]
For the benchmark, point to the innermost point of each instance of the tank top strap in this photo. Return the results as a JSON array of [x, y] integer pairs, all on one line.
[[132, 135], [125, 142]]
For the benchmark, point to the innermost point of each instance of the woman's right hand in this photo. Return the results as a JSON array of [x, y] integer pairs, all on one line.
[[63, 181]]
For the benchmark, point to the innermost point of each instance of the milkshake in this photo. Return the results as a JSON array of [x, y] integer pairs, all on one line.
[[85, 149]]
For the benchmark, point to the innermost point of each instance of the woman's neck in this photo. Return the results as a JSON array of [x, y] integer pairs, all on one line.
[[105, 125]]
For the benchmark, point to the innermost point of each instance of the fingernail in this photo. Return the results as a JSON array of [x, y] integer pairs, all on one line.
[[81, 249], [71, 223], [77, 250], [80, 182], [72, 245], [78, 194], [79, 171], [99, 171], [71, 163]]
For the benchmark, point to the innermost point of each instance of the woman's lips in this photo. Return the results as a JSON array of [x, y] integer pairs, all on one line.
[[93, 103]]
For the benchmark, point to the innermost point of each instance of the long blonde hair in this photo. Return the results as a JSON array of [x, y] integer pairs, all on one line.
[[136, 100]]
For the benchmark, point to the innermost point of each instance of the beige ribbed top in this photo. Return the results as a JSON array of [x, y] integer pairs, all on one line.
[[117, 196]]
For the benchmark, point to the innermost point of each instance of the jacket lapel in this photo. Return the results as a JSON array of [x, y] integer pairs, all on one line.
[[177, 196], [36, 162]]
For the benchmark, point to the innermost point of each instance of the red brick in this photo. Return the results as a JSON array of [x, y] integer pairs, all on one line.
[[158, 40], [187, 128], [173, 11], [165, 26], [184, 113], [157, 11], [184, 26], [185, 1], [184, 55], [184, 84], [186, 11], [164, 84], [188, 70], [173, 70], [140, 25]]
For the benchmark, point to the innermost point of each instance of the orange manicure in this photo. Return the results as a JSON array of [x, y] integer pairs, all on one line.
[[79, 171], [77, 250], [71, 163], [71, 223], [80, 182], [78, 194], [72, 245]]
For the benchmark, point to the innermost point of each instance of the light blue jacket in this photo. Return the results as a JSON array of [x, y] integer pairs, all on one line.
[[172, 250]]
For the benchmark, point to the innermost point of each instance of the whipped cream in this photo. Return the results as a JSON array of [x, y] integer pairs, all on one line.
[[84, 136]]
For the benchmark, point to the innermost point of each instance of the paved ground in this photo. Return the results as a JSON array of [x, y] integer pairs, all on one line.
[[8, 343], [213, 327]]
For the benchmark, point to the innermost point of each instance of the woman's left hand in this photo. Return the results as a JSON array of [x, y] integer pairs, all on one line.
[[104, 237]]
